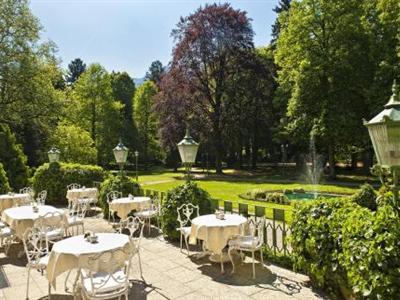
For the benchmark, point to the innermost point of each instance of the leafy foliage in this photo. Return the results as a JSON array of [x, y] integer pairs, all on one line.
[[75, 144], [75, 69], [4, 185], [56, 176], [186, 193], [366, 197], [348, 249], [13, 159], [124, 184]]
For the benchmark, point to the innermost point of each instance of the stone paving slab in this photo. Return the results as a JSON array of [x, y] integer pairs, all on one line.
[[169, 274]]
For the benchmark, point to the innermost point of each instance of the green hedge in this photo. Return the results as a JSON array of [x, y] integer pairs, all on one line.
[[4, 185], [347, 249], [56, 176], [123, 184], [188, 192]]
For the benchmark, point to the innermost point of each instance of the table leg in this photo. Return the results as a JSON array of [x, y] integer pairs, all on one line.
[[76, 284]]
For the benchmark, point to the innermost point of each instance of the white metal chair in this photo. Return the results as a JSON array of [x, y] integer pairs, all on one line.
[[110, 197], [185, 214], [133, 225], [6, 237], [51, 225], [37, 253], [41, 197], [73, 186], [27, 190], [107, 276], [75, 219], [151, 212], [250, 243]]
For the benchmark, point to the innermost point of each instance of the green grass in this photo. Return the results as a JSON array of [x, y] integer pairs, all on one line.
[[229, 188]]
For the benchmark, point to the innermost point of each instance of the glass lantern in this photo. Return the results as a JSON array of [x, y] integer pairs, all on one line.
[[188, 149], [54, 155]]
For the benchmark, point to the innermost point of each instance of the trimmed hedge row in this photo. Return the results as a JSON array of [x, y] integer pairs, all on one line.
[[56, 176], [347, 249]]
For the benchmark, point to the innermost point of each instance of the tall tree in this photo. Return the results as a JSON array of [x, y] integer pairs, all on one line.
[[146, 121], [207, 43], [123, 88], [93, 108], [283, 6], [75, 69], [155, 71], [325, 66]]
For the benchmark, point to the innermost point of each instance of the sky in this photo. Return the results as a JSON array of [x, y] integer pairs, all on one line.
[[127, 35]]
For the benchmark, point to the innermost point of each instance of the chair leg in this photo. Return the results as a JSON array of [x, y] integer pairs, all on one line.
[[181, 242], [187, 245], [262, 259], [140, 264], [27, 284], [149, 226], [231, 258], [254, 268], [49, 291], [222, 264]]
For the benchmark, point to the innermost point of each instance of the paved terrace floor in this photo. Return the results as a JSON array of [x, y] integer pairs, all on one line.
[[167, 274]]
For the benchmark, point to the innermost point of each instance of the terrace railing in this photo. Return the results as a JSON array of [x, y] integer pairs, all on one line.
[[276, 228]]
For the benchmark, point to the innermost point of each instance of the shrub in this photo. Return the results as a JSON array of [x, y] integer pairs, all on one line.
[[4, 185], [13, 159], [347, 249], [186, 193], [56, 176], [277, 198], [366, 197], [123, 184]]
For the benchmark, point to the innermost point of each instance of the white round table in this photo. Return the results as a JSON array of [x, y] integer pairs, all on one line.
[[75, 253], [215, 232], [21, 218], [75, 194], [123, 206], [9, 200]]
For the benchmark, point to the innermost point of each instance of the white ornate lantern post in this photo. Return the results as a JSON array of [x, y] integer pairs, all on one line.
[[137, 160], [120, 155], [54, 155], [384, 131], [188, 151]]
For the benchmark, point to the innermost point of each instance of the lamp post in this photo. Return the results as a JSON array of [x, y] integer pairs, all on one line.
[[136, 164], [120, 155], [188, 151], [54, 155], [384, 131]]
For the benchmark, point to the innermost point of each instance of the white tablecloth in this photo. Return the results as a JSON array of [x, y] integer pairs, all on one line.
[[75, 194], [216, 232], [7, 200], [23, 217], [74, 253], [123, 206]]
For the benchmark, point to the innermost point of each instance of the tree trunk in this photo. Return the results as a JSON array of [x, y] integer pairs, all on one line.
[[332, 161], [368, 161], [299, 162], [354, 157]]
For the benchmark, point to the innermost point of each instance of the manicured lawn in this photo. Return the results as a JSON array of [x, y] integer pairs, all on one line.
[[229, 188]]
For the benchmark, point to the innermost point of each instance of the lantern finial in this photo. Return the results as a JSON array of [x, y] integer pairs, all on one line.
[[394, 100]]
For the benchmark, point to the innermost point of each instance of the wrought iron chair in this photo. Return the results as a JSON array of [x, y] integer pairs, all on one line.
[[75, 219], [107, 276], [51, 225], [133, 225], [151, 212], [73, 186], [41, 197], [185, 214], [6, 237], [250, 243], [110, 197], [27, 190], [37, 253]]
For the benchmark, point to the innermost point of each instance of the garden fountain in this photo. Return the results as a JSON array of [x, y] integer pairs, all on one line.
[[314, 167]]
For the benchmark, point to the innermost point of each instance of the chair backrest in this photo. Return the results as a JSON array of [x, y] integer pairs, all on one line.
[[156, 204], [35, 246], [113, 195], [186, 212], [78, 209], [133, 225], [108, 263], [41, 197], [27, 190], [256, 228], [73, 186], [50, 221]]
